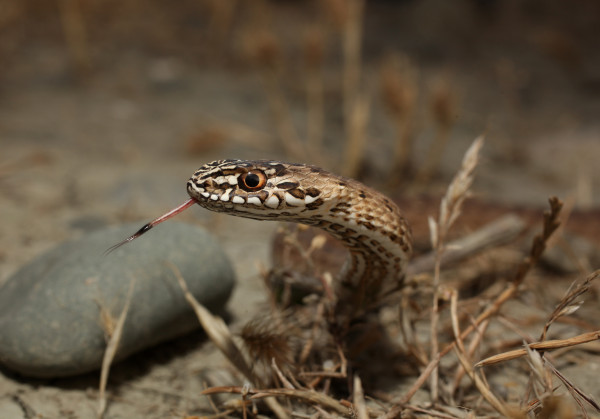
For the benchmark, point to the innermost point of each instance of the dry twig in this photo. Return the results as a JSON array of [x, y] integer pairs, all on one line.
[[314, 46], [219, 334], [450, 209], [540, 346], [443, 108], [549, 226], [398, 87], [569, 303], [497, 232], [309, 396], [111, 350], [462, 356], [358, 398], [266, 52], [356, 104], [75, 32]]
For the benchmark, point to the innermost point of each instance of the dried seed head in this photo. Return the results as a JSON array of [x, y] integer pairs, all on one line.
[[264, 50], [336, 12], [206, 140], [443, 104], [268, 340], [398, 86]]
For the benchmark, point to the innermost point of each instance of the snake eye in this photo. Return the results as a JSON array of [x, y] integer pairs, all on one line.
[[253, 180]]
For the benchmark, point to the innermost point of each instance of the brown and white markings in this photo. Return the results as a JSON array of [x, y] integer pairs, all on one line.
[[369, 224]]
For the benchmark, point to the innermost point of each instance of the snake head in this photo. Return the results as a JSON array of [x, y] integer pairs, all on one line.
[[258, 189]]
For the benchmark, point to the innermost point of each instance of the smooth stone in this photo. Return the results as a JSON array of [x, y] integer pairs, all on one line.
[[50, 310]]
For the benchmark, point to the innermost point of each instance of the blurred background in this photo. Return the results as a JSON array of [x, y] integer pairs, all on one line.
[[107, 107]]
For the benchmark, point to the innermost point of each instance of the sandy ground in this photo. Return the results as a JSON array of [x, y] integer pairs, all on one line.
[[76, 155]]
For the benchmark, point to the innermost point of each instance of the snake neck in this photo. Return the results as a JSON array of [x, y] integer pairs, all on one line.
[[369, 224], [376, 235]]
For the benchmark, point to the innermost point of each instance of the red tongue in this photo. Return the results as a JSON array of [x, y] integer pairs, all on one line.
[[152, 223]]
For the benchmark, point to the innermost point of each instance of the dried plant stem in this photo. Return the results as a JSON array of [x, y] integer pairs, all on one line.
[[221, 17], [450, 209], [401, 402], [356, 136], [352, 38], [550, 225], [282, 118], [541, 346], [355, 105], [219, 334], [111, 350], [569, 303], [76, 35], [575, 392], [316, 112], [306, 395], [399, 92], [433, 328], [217, 331], [462, 356], [319, 314], [541, 367], [434, 156], [443, 110], [314, 51], [265, 50], [359, 400], [495, 233], [430, 412], [408, 334], [460, 372], [405, 131], [286, 383]]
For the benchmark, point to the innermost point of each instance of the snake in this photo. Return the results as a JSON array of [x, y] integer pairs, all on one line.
[[366, 222]]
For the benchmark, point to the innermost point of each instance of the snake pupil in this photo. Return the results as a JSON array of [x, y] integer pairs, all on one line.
[[252, 180]]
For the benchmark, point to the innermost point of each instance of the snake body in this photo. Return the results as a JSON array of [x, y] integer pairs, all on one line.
[[369, 224]]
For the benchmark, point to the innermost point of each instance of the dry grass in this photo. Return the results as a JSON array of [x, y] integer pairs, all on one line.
[[74, 27], [399, 83], [325, 371], [265, 51], [443, 110], [355, 104], [311, 369], [113, 331], [314, 55], [450, 209]]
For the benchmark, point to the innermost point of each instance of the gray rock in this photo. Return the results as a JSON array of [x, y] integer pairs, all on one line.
[[51, 311]]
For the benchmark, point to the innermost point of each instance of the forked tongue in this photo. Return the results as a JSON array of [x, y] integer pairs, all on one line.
[[152, 223]]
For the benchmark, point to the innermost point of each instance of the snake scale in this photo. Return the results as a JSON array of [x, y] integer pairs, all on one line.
[[369, 224]]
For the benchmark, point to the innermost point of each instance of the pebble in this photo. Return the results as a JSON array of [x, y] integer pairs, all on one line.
[[55, 311]]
